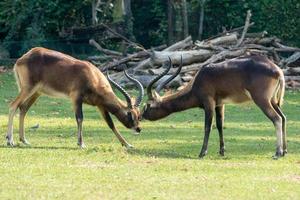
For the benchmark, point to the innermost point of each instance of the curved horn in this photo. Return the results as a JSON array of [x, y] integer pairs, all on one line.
[[140, 87], [128, 100], [162, 85], [149, 88]]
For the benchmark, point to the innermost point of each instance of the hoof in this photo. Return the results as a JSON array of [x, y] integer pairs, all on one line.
[[202, 154], [128, 146], [278, 154], [25, 142], [82, 145], [10, 143], [222, 151], [285, 152]]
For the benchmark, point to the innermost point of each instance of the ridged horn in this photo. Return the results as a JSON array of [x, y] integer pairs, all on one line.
[[140, 87], [149, 88], [122, 90], [162, 85]]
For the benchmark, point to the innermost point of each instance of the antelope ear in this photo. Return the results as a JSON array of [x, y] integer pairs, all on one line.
[[156, 96]]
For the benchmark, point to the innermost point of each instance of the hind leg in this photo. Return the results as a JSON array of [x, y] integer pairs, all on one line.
[[219, 122], [266, 106], [12, 111], [283, 117], [23, 110]]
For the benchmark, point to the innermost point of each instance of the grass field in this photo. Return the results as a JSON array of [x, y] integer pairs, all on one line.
[[164, 163]]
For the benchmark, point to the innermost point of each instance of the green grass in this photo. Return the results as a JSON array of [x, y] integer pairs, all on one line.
[[164, 163]]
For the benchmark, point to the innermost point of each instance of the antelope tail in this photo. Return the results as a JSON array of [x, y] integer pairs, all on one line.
[[17, 77], [280, 92]]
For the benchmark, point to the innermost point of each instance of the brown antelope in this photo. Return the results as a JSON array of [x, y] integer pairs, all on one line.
[[251, 77], [44, 71]]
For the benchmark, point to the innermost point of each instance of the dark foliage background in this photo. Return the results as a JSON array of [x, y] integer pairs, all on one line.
[[28, 23]]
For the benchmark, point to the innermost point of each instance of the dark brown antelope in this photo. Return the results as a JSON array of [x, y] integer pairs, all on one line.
[[43, 71], [252, 77]]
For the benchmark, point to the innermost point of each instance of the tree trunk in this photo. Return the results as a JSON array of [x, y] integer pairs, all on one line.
[[185, 19], [170, 23], [128, 19], [201, 19]]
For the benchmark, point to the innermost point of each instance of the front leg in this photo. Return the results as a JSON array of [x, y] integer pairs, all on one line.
[[219, 122], [111, 125], [208, 121], [79, 120]]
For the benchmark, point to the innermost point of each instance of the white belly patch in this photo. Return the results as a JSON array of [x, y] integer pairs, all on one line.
[[238, 98], [53, 93]]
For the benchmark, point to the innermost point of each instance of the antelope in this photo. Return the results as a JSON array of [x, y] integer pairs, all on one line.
[[247, 78], [43, 71]]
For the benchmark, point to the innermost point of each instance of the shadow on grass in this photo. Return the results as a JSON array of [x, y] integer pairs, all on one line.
[[22, 147], [234, 149]]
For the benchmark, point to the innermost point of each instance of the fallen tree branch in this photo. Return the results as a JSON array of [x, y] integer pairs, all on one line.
[[140, 54], [106, 51], [123, 37], [246, 26], [229, 31]]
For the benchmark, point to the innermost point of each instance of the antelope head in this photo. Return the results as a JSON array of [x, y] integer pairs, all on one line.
[[133, 111], [152, 109]]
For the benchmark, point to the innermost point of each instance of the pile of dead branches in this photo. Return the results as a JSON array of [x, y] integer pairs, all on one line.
[[145, 64]]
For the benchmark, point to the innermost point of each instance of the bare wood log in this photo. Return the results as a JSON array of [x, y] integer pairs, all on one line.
[[191, 68], [286, 72], [141, 54], [228, 32], [256, 35], [179, 45], [262, 41], [145, 80], [247, 22], [293, 84], [286, 48], [215, 58], [106, 51], [188, 57], [144, 64], [100, 58], [294, 71], [158, 48], [209, 47], [132, 57], [291, 61], [223, 40], [187, 42], [160, 70], [292, 78], [187, 78], [270, 49]]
